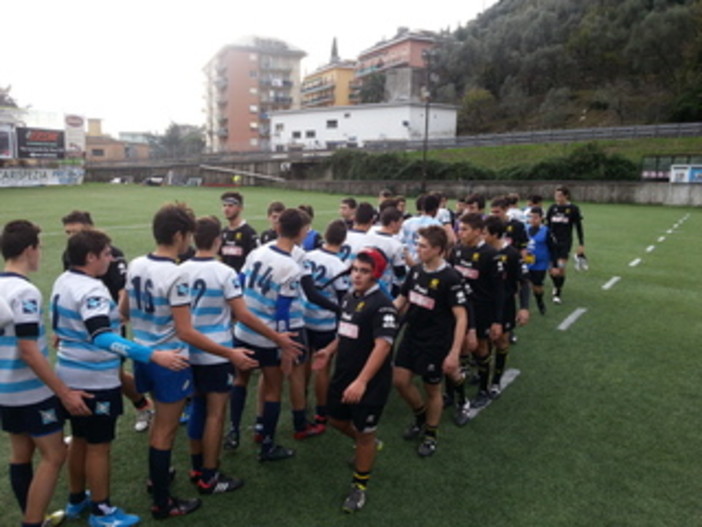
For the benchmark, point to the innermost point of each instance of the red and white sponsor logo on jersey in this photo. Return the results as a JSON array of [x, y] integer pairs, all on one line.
[[468, 272], [348, 330], [421, 300], [232, 250]]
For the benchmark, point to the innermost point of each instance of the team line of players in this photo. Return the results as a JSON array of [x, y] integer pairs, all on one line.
[[452, 285]]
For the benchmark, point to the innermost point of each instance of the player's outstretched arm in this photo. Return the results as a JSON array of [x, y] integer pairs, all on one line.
[[72, 400], [188, 334]]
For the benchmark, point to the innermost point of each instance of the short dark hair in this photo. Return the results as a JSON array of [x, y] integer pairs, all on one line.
[[364, 213], [207, 230], [291, 222], [85, 242], [308, 210], [536, 198], [473, 220], [389, 215], [512, 198], [16, 236], [563, 190], [431, 203], [500, 203], [275, 206], [435, 235], [350, 202], [386, 203], [77, 216], [170, 219], [385, 193], [233, 195], [537, 210], [419, 202], [478, 199], [495, 226], [336, 232]]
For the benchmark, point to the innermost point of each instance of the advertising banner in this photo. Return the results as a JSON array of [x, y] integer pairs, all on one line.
[[40, 143], [38, 177], [7, 143], [75, 135]]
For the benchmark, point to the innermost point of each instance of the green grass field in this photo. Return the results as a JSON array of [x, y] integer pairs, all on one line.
[[600, 429]]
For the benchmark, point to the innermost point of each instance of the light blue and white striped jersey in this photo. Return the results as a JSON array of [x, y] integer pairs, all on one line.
[[155, 284], [409, 232], [394, 251], [75, 299], [324, 265], [19, 385], [212, 285], [355, 241], [269, 274]]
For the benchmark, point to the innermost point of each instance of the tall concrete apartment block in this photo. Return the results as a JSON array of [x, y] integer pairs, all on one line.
[[245, 81], [400, 60]]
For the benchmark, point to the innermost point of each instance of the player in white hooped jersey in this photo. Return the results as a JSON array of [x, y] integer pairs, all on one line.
[[159, 306], [86, 322], [385, 239], [330, 277], [216, 296], [357, 236], [30, 410]]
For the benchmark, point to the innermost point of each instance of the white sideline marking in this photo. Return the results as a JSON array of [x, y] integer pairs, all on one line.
[[507, 378], [661, 239], [669, 231], [650, 248], [611, 283], [570, 319], [635, 262]]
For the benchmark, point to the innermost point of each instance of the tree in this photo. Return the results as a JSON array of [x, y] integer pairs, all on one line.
[[6, 99], [179, 140], [478, 109], [373, 88]]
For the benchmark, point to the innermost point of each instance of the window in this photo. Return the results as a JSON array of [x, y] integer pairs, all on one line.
[[296, 135], [253, 74], [347, 115], [279, 127], [310, 134], [253, 91], [97, 152], [332, 123], [253, 108], [253, 57], [253, 141], [253, 125]]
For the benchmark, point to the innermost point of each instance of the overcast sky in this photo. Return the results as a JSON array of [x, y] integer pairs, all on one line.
[[137, 64]]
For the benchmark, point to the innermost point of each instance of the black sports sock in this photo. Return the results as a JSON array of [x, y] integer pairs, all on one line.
[[420, 416], [500, 361], [431, 432], [484, 371], [21, 475], [141, 403], [74, 498], [159, 466], [459, 388], [360, 479], [196, 462], [102, 508]]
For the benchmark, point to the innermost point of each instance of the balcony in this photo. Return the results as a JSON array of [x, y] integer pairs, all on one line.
[[222, 101], [315, 87], [222, 132]]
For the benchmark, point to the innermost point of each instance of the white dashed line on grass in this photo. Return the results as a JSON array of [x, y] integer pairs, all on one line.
[[609, 285], [570, 319], [635, 262], [669, 231], [650, 248], [661, 239]]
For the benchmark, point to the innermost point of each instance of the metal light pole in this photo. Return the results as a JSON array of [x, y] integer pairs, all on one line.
[[426, 92]]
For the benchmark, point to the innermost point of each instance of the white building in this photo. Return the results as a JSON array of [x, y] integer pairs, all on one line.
[[338, 126]]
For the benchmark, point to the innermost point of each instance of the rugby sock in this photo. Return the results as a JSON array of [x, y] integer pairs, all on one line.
[[141, 403], [196, 423], [558, 283], [196, 462], [271, 412], [539, 299], [159, 466], [21, 475], [321, 416], [299, 420], [500, 361], [484, 371], [237, 401], [102, 508], [459, 388], [27, 524], [431, 432], [360, 479], [74, 498], [208, 474], [420, 416]]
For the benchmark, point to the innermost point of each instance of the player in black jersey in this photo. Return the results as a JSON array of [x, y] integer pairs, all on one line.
[[515, 231], [238, 237], [516, 281], [483, 272], [362, 377], [561, 217], [275, 208], [115, 279], [434, 301]]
